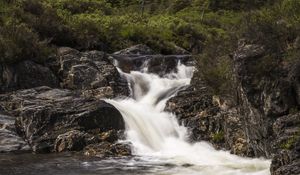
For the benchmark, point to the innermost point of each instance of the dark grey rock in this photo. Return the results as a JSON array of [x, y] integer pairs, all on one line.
[[44, 113], [26, 74], [9, 139], [90, 71], [158, 64], [70, 141]]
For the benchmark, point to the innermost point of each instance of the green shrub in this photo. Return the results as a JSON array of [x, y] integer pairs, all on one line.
[[218, 136], [18, 42], [291, 141]]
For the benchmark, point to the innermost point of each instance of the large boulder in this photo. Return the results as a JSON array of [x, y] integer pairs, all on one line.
[[43, 114], [158, 64], [24, 75], [208, 118], [90, 72], [141, 58]]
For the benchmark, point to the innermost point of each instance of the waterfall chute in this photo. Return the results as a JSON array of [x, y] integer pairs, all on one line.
[[157, 135]]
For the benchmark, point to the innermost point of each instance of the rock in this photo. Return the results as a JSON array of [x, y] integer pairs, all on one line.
[[247, 125], [26, 74], [286, 162], [207, 119], [70, 141], [139, 49], [268, 105], [106, 149], [89, 71], [9, 139], [158, 64], [262, 98], [190, 102], [287, 142], [44, 113], [110, 136], [294, 77], [140, 57]]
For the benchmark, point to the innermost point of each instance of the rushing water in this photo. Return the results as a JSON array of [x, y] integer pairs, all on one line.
[[157, 137], [159, 142]]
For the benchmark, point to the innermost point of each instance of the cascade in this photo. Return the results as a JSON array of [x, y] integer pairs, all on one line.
[[157, 136]]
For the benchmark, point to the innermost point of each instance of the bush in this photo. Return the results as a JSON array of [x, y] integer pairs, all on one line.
[[18, 42]]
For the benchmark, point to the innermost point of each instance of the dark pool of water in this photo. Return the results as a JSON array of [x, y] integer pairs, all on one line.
[[73, 164]]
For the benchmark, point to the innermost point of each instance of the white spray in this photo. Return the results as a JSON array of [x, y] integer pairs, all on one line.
[[157, 136]]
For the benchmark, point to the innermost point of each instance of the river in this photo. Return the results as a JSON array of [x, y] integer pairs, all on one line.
[[159, 142]]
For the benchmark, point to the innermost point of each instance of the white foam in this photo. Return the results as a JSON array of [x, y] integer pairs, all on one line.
[[156, 134]]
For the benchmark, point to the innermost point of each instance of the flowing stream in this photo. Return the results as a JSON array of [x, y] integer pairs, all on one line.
[[159, 143], [158, 138]]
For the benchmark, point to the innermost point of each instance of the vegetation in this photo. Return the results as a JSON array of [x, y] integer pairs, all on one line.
[[218, 136], [291, 141], [210, 29]]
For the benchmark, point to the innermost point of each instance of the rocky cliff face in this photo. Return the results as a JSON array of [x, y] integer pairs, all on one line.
[[269, 107], [262, 122], [57, 106]]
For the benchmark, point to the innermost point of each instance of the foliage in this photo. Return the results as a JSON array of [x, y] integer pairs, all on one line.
[[291, 141], [18, 42], [207, 28], [218, 136]]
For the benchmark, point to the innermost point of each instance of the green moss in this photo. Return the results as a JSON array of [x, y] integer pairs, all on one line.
[[218, 136], [290, 143]]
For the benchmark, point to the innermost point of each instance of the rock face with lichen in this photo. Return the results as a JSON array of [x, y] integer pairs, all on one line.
[[57, 106], [47, 118], [269, 106], [261, 121]]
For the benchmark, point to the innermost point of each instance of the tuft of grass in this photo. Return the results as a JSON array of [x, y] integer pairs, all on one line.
[[218, 136]]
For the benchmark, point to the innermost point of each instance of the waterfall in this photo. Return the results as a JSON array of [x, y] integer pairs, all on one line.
[[157, 136]]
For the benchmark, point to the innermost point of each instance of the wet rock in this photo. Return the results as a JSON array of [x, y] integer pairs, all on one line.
[[106, 149], [44, 113], [110, 136], [89, 71], [263, 98], [261, 120], [158, 64], [208, 118], [286, 162], [190, 101], [26, 74], [9, 139], [99, 93], [139, 57], [287, 132], [70, 141]]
